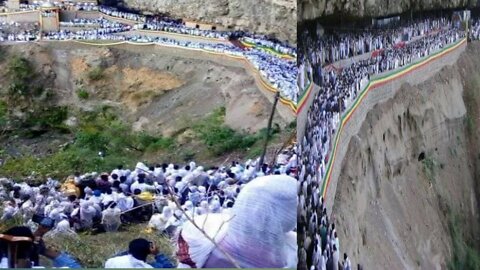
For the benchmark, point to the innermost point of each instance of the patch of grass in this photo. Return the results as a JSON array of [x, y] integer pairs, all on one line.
[[82, 94], [220, 138], [47, 117], [20, 73], [470, 123], [429, 166], [96, 74], [188, 155], [98, 131], [464, 256], [3, 114], [149, 143], [292, 125], [93, 250], [255, 152], [17, 220], [2, 54]]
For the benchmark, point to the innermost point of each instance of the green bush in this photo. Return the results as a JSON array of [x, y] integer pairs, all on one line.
[[149, 143], [19, 68], [160, 144], [82, 94], [91, 139], [47, 117], [464, 256], [20, 73], [220, 138], [3, 114], [96, 74]]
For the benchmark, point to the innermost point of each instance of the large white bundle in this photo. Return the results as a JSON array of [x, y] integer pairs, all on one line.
[[258, 235], [199, 247], [264, 213]]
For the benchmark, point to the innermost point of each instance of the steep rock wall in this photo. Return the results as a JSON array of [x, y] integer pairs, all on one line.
[[275, 17], [410, 166]]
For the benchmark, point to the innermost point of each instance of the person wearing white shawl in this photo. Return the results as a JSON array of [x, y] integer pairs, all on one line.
[[52, 205], [159, 175], [88, 192], [9, 210], [189, 209], [193, 165], [161, 222], [39, 207], [124, 203], [62, 228], [86, 214], [56, 214], [243, 237], [203, 209], [215, 206], [111, 217], [27, 208]]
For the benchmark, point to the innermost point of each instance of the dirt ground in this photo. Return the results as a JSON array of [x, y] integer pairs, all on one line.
[[414, 161], [155, 88]]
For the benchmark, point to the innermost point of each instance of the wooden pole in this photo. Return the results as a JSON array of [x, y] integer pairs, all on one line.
[[269, 127]]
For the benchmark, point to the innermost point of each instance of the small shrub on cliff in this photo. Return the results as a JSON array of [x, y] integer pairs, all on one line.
[[82, 94], [47, 118], [96, 74], [19, 72], [429, 166], [465, 257], [3, 114], [220, 138]]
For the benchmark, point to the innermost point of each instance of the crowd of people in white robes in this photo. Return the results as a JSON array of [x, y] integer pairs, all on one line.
[[277, 71], [75, 6], [317, 53], [99, 22], [165, 195], [474, 30]]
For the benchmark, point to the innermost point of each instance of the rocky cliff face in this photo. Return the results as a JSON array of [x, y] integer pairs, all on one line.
[[277, 17], [311, 9], [411, 174]]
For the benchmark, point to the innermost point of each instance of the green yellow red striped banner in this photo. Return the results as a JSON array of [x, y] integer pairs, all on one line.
[[267, 49], [373, 84], [216, 40], [305, 96]]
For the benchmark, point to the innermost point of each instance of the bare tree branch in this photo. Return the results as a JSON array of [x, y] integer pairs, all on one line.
[[204, 233]]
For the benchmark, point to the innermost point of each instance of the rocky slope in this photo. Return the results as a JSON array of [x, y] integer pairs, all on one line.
[[276, 17], [155, 89], [311, 9], [412, 169]]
